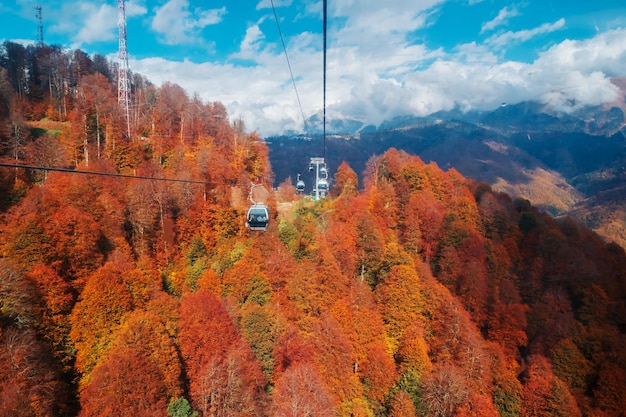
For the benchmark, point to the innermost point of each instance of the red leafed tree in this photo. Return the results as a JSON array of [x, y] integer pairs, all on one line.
[[291, 349], [128, 384], [145, 203], [342, 238], [429, 214], [334, 359], [230, 387], [550, 319], [329, 280], [147, 335], [545, 394], [383, 204], [75, 236], [167, 119], [29, 384], [205, 331], [410, 233], [300, 392], [57, 301], [225, 377], [401, 405], [609, 393], [478, 405], [100, 106], [507, 319], [378, 375]]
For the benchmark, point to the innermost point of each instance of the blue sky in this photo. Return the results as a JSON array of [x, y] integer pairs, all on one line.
[[385, 59]]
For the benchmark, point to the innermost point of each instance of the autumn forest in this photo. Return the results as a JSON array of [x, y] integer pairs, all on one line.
[[417, 292]]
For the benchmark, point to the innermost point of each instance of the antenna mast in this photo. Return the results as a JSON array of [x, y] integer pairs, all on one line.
[[123, 83], [39, 25]]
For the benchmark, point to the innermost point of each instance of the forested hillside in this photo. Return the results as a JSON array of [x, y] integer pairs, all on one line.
[[417, 292]]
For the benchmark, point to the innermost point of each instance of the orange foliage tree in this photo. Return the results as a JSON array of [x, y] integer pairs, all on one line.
[[57, 300], [401, 405], [545, 394], [300, 392], [332, 358], [346, 181], [30, 385], [400, 302], [225, 377], [102, 307], [145, 333], [126, 383]]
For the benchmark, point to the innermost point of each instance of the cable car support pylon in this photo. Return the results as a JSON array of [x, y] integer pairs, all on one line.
[[318, 164]]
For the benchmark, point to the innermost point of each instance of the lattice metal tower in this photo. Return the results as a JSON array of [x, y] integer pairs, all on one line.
[[39, 25], [123, 82]]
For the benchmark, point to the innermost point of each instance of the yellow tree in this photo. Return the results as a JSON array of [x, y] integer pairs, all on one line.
[[400, 301], [102, 307]]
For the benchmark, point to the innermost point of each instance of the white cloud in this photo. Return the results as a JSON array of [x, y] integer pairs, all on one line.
[[133, 9], [375, 72], [605, 52], [369, 25], [376, 68], [252, 42], [500, 20], [267, 4], [99, 23], [88, 22], [504, 39], [177, 24]]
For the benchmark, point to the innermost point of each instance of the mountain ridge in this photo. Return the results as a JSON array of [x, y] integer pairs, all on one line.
[[603, 119], [557, 161]]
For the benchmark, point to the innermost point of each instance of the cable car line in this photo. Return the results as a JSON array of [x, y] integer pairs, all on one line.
[[257, 217], [324, 122], [321, 186], [106, 174], [289, 65]]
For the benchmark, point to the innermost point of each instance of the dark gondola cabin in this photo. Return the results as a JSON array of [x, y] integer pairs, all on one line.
[[258, 217]]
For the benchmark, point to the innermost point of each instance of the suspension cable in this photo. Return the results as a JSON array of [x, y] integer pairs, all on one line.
[[293, 81], [324, 128], [103, 174]]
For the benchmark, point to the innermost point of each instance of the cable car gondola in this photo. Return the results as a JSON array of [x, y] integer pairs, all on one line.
[[300, 185], [258, 217]]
